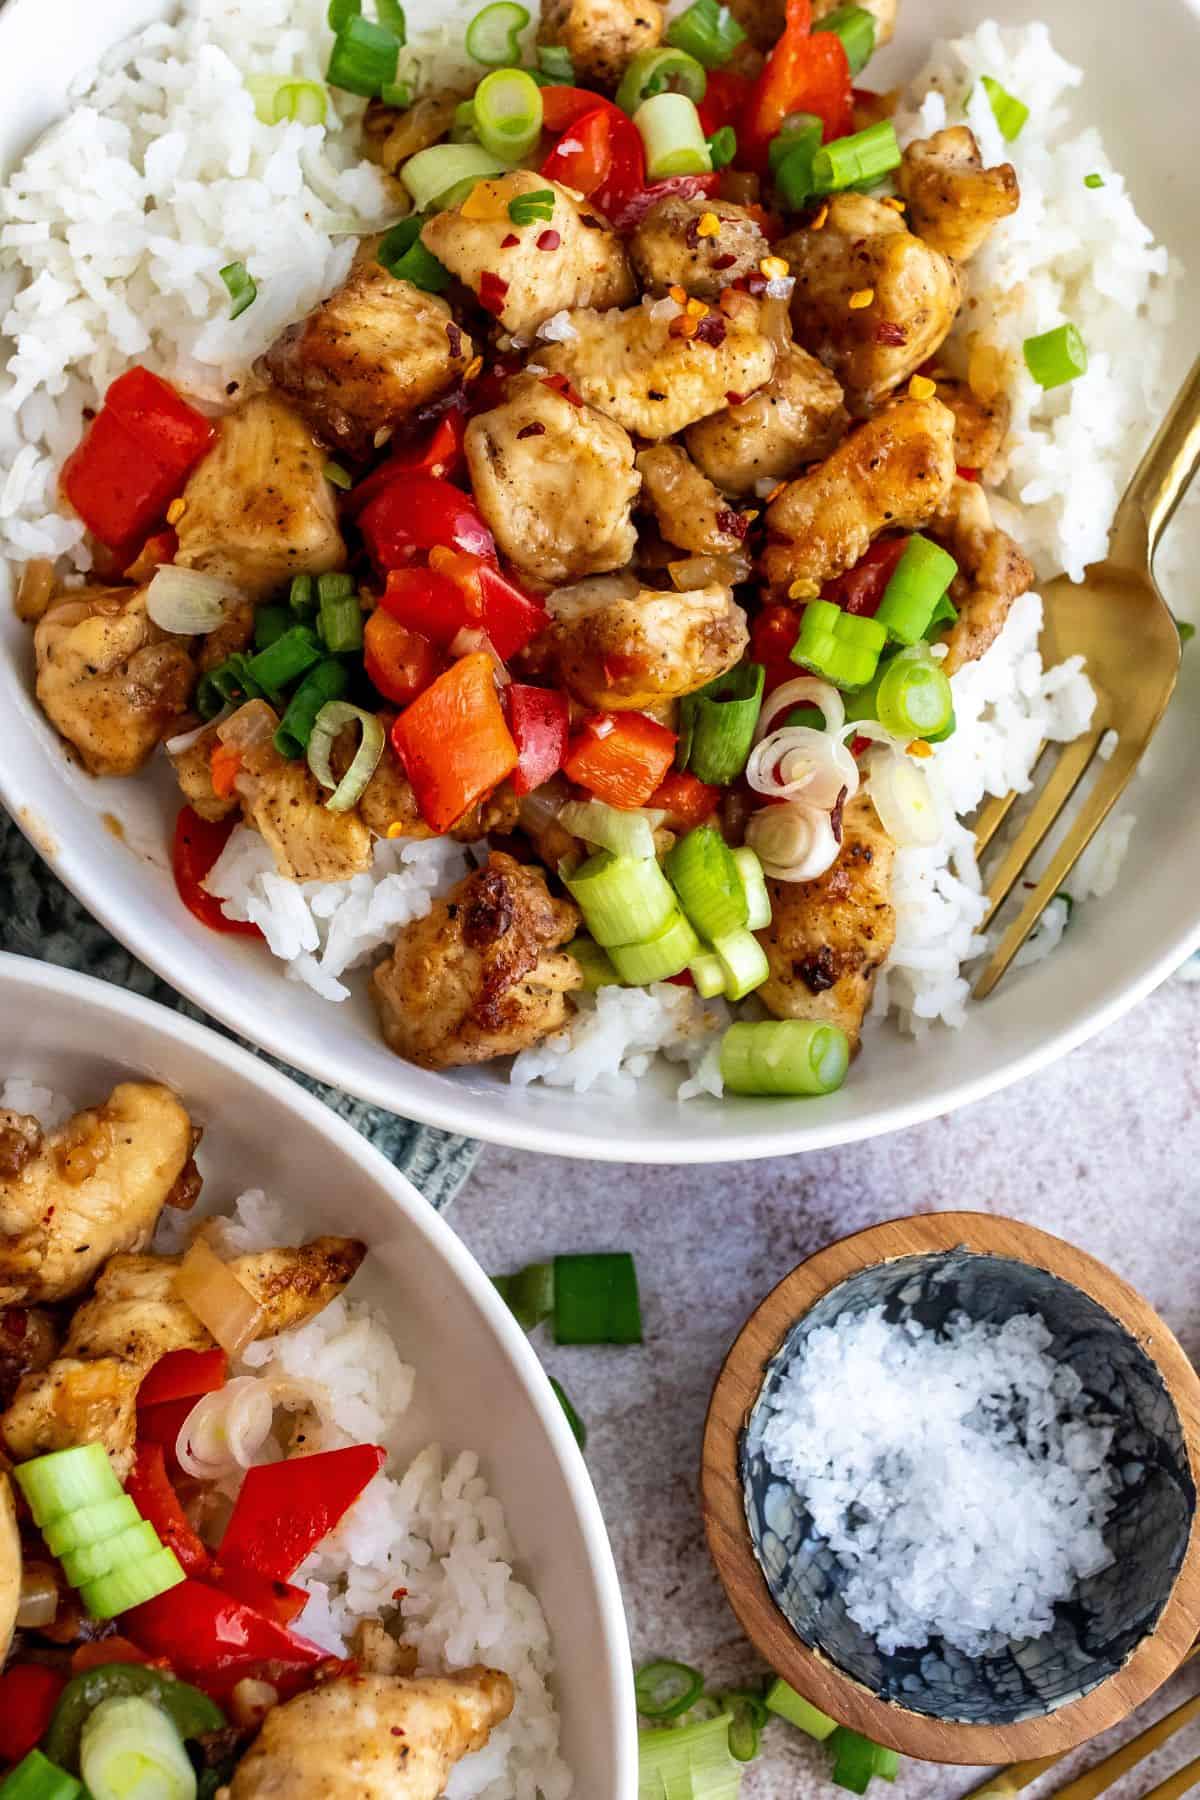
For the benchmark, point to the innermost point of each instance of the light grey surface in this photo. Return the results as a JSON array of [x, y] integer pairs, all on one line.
[[1103, 1149]]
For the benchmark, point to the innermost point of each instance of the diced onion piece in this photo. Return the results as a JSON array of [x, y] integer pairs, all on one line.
[[904, 801], [728, 568], [130, 1750], [39, 1596], [332, 719], [794, 842], [227, 1429], [805, 690], [624, 832], [227, 1309], [798, 762], [187, 601]]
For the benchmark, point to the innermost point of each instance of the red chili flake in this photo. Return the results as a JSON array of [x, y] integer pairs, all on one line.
[[733, 524], [397, 1731], [725, 261], [492, 290], [454, 338], [506, 243], [536, 429], [549, 240], [967, 474], [756, 284], [591, 222], [733, 398], [399, 1593], [711, 330], [560, 385], [888, 332]]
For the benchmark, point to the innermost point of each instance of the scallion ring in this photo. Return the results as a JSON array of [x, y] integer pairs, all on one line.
[[1009, 113], [332, 719], [494, 35], [188, 602], [672, 136], [866, 156], [432, 175], [708, 31], [243, 291], [855, 27], [1055, 357], [784, 1056], [277, 99], [391, 14], [397, 93], [665, 70], [364, 58], [665, 1689], [722, 147], [508, 113]]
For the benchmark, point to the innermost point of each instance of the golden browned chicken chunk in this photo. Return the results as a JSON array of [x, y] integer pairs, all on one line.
[[375, 1737], [796, 418], [676, 245], [892, 472], [763, 20], [633, 368], [10, 1566], [624, 647], [871, 300], [482, 975], [29, 1339], [193, 771], [89, 1393], [992, 572], [601, 35], [953, 201], [108, 679], [829, 938], [555, 482], [258, 509], [91, 1187], [524, 274], [284, 801], [980, 426], [369, 357], [687, 507]]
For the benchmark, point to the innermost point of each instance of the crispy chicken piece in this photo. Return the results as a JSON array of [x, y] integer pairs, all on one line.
[[601, 35], [763, 20], [953, 201], [829, 938], [669, 248], [89, 1393], [555, 482], [864, 248], [108, 679], [482, 975], [980, 426], [29, 1340], [624, 647], [376, 1737], [796, 418], [193, 771], [369, 357], [286, 803], [10, 1566], [630, 367], [537, 277], [992, 572], [891, 473], [258, 509], [93, 1186], [688, 508]]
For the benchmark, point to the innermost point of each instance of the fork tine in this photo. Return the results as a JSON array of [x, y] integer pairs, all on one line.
[[1178, 1784], [1092, 815], [992, 816], [1064, 778], [1098, 1779]]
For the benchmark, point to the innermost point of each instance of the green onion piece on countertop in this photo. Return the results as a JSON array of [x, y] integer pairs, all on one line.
[[660, 71], [1055, 357], [657, 958], [494, 35], [529, 1294], [624, 899], [391, 15], [1010, 113], [1093, 181], [242, 289], [37, 1778], [508, 113], [913, 698], [328, 725], [787, 1704], [701, 869], [270, 622], [532, 209], [666, 1689], [554, 62], [433, 175], [722, 147], [863, 157], [855, 26], [596, 1300], [842, 647], [131, 1751], [63, 1481], [749, 1716], [578, 1428], [708, 31], [754, 883], [595, 963], [784, 1056], [398, 94], [364, 58], [302, 595], [856, 1760], [920, 578], [716, 725], [672, 136], [327, 681], [692, 1762], [341, 478]]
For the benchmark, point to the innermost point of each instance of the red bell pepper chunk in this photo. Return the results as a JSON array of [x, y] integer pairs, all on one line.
[[284, 1509], [860, 589], [161, 547], [28, 1695], [453, 741], [490, 601], [134, 458], [620, 757], [807, 71], [561, 106], [113, 1649], [182, 1373], [540, 722], [151, 1492], [412, 517], [400, 662], [725, 95], [213, 1639], [198, 843], [170, 430], [600, 153], [686, 800], [162, 1424], [426, 602], [439, 456], [772, 639], [967, 474], [683, 187], [274, 1599]]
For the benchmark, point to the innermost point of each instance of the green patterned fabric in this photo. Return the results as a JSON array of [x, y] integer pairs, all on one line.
[[39, 918]]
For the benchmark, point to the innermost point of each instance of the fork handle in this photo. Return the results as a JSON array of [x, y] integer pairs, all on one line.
[[1162, 476]]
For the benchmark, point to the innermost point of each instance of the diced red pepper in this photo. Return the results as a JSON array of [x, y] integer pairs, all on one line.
[[427, 602], [162, 1424], [600, 153], [136, 455], [807, 71], [170, 430], [161, 547], [150, 1490], [686, 800], [400, 662], [28, 1695], [725, 95], [410, 517], [213, 1640], [540, 722], [111, 1649], [620, 757], [284, 1509], [453, 741], [683, 187], [860, 589], [772, 638], [561, 106], [493, 601], [274, 1599], [183, 1374], [198, 843], [438, 457]]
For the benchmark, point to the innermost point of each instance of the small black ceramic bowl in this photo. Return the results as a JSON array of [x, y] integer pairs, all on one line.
[[1131, 1368]]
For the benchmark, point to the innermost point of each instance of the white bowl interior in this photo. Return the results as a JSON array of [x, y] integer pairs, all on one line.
[[109, 840], [479, 1385]]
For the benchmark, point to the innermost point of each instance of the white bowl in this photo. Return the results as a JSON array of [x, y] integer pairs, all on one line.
[[109, 840], [479, 1385]]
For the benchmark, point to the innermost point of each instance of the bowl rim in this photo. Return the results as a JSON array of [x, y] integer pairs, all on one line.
[[810, 1671], [108, 1004]]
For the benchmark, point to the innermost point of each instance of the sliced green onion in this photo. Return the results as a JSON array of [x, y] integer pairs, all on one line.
[[578, 1428], [722, 147], [329, 723], [192, 1713], [799, 129], [913, 697], [1056, 356], [624, 899], [596, 1300], [1093, 181], [743, 963], [863, 157], [944, 613], [341, 478], [794, 181], [749, 1717], [531, 209], [708, 975], [508, 113], [1009, 113], [665, 1689], [302, 595], [1186, 630], [494, 35], [554, 61], [341, 12], [701, 869], [692, 1763], [529, 1294], [37, 1778], [340, 621], [89, 1524], [66, 1480], [270, 622], [855, 26], [841, 647], [209, 700], [716, 725], [754, 882], [290, 656], [920, 578], [673, 137], [784, 1056], [278, 98], [132, 1585], [626, 832], [463, 129], [328, 681], [595, 963], [708, 31], [90, 1561], [131, 1751], [420, 267], [391, 14], [364, 58], [242, 289], [433, 174], [659, 957], [787, 1704], [398, 94], [856, 1760], [660, 71]]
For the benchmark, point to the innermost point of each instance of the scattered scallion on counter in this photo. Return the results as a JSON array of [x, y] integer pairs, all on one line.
[[243, 291], [1056, 357], [1009, 113], [708, 31], [590, 1299], [529, 1294], [666, 1689], [855, 27], [494, 35], [786, 1703], [689, 1762], [578, 1428]]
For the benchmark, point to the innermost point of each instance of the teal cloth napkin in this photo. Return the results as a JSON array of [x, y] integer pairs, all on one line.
[[39, 918]]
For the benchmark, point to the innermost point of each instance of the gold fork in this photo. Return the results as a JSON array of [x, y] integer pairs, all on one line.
[[1117, 620]]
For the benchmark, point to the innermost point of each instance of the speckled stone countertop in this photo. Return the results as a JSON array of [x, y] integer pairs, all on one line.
[[1103, 1149]]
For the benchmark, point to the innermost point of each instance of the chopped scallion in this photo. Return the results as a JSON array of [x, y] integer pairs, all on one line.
[[1186, 630], [1009, 113], [920, 578], [578, 1428], [784, 1056], [531, 209], [302, 595], [692, 1761], [364, 58], [749, 1715], [716, 725], [130, 1750], [743, 962], [624, 899], [722, 147], [657, 958], [913, 698], [660, 71], [242, 289], [856, 1760], [341, 624], [270, 622], [327, 681], [626, 831], [596, 965], [554, 62], [341, 478], [341, 11], [596, 1300], [433, 175], [494, 35], [708, 31], [861, 158], [672, 136], [666, 1689], [391, 14], [293, 653], [1056, 357], [37, 1778], [508, 113], [397, 93], [841, 647], [787, 1704], [855, 26], [1093, 180], [529, 1294], [701, 869], [754, 883]]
